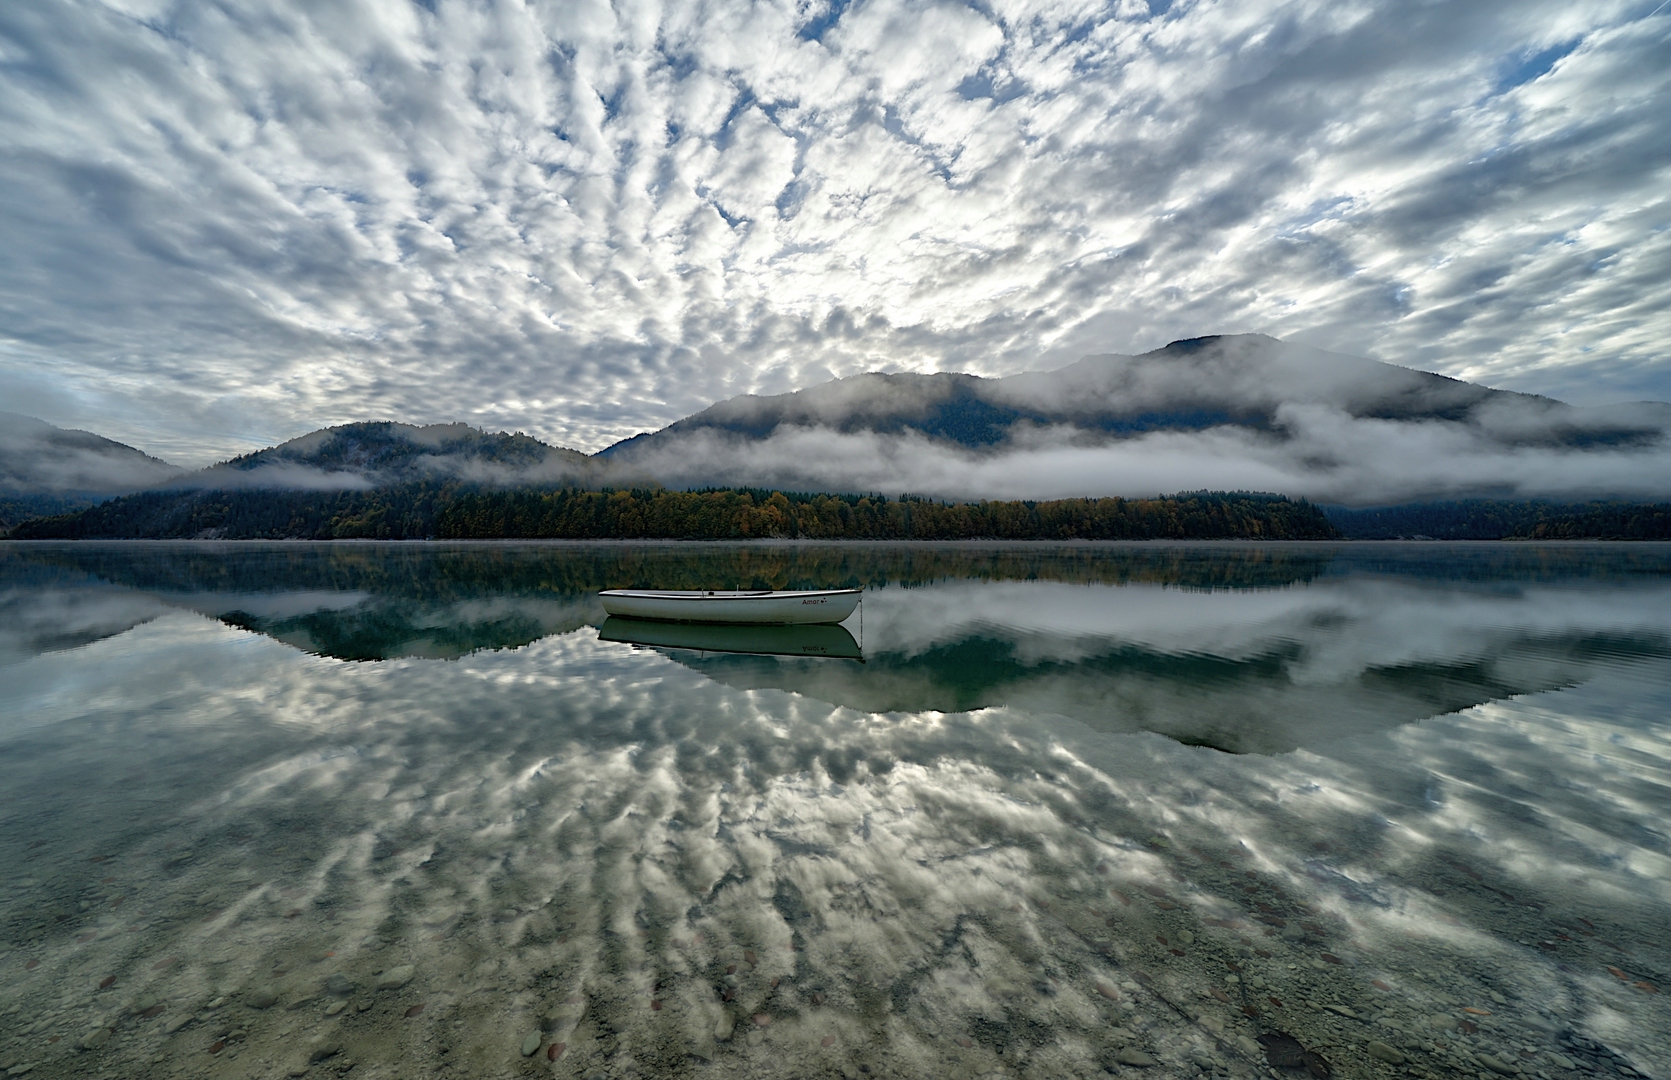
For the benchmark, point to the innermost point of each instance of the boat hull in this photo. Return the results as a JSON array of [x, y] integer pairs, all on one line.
[[761, 608]]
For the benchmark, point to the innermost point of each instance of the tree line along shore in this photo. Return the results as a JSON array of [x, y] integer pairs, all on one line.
[[1506, 519], [451, 510]]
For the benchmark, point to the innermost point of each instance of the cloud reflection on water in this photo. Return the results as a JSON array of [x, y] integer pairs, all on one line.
[[1244, 648], [560, 835], [1246, 671]]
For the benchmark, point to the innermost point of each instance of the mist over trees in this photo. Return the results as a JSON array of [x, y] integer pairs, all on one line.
[[1236, 412], [1390, 452]]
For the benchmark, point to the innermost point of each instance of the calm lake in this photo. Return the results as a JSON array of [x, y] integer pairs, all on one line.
[[419, 810]]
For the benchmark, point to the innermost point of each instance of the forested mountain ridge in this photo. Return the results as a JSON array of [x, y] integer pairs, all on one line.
[[1241, 380], [379, 453], [1393, 452], [1245, 412]]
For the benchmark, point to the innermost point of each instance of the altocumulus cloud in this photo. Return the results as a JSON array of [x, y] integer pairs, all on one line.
[[230, 222]]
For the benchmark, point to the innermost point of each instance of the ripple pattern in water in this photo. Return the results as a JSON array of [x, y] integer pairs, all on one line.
[[421, 820]]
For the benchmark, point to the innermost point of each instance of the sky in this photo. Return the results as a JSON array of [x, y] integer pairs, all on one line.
[[229, 223]]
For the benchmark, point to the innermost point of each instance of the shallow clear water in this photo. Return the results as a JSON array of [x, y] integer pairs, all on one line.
[[1362, 810]]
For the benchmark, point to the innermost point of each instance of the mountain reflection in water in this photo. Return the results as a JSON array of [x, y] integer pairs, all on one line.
[[1242, 648], [404, 810], [1257, 671]]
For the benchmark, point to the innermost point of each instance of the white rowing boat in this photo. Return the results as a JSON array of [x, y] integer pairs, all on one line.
[[763, 606]]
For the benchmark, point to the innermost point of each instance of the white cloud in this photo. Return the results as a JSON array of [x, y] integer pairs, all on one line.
[[230, 224], [1327, 456], [751, 172]]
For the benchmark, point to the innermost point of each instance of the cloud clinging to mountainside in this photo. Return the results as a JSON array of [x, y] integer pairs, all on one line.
[[229, 223], [1322, 454], [38, 458]]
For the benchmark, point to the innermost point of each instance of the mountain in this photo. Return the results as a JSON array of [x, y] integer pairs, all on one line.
[[37, 458], [371, 480], [1243, 411], [1244, 380], [379, 454], [53, 470], [374, 456]]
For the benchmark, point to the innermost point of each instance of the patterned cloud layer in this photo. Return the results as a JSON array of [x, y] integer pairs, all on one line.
[[231, 223]]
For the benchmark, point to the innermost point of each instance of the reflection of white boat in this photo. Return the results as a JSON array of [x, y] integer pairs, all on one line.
[[816, 640], [737, 606]]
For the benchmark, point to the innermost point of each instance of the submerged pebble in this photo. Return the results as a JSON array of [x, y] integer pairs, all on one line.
[[396, 977]]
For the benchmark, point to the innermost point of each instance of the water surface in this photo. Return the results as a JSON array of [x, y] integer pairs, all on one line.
[[1353, 810]]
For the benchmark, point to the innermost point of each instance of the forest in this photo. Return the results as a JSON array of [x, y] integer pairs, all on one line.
[[451, 511], [1504, 519]]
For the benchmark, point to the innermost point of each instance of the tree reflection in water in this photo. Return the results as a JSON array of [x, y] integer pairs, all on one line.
[[967, 856]]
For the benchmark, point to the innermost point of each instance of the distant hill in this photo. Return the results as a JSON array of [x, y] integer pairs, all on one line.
[[360, 457], [1394, 451], [37, 458], [380, 453], [52, 470], [1214, 412], [1239, 380]]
